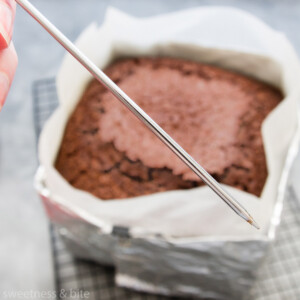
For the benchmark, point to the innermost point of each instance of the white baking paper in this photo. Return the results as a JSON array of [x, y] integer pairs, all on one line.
[[224, 37]]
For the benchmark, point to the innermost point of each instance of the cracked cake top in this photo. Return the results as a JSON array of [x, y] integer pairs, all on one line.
[[214, 114]]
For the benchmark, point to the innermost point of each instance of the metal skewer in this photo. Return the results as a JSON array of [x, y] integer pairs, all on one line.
[[137, 111]]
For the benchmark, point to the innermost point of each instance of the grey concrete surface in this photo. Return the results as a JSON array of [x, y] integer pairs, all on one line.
[[25, 257]]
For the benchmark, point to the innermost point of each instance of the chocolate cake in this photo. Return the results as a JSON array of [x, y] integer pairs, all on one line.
[[215, 114]]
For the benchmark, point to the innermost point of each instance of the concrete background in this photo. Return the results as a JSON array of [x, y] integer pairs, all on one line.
[[25, 258]]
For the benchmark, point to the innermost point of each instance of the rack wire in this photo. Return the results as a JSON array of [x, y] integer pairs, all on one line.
[[278, 278]]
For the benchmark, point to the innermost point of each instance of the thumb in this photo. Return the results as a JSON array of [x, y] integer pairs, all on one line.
[[7, 16]]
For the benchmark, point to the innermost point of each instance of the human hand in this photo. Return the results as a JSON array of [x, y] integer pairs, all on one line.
[[8, 56]]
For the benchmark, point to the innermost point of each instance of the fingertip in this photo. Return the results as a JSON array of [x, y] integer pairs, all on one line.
[[8, 65]]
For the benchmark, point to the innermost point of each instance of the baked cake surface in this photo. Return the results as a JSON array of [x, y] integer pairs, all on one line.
[[215, 114]]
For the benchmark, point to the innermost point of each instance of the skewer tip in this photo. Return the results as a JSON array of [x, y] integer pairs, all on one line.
[[253, 223]]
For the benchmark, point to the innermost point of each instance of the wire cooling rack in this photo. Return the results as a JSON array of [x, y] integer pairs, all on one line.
[[278, 278]]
